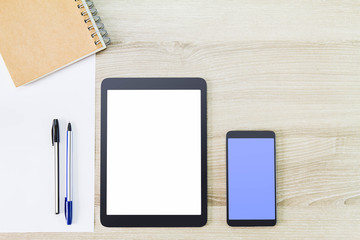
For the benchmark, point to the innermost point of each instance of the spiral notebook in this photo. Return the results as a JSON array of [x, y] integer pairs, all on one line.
[[38, 37]]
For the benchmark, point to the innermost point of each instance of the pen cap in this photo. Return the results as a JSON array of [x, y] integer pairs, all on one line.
[[55, 132]]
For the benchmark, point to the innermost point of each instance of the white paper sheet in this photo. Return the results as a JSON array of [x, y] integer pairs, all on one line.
[[27, 201]]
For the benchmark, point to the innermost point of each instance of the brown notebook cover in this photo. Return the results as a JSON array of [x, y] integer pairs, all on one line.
[[38, 37]]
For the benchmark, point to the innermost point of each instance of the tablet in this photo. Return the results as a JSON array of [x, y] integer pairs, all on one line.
[[153, 152]]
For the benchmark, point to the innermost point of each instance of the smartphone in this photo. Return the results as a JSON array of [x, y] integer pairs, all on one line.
[[251, 178]]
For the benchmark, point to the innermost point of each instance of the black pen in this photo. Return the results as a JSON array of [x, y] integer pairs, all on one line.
[[55, 137]]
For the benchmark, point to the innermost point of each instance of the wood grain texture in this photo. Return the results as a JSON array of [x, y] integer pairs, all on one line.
[[291, 67]]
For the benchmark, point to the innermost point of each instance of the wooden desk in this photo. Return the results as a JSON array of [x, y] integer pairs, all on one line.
[[288, 66]]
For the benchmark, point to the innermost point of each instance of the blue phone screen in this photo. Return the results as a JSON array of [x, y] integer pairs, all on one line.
[[251, 178]]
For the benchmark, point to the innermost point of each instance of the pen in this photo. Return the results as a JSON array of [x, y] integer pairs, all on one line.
[[55, 142], [69, 180]]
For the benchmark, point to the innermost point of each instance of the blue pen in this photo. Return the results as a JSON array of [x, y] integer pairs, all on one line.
[[69, 176]]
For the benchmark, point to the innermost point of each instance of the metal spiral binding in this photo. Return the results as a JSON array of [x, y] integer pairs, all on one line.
[[97, 19]]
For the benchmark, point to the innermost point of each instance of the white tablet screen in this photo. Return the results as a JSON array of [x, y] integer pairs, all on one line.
[[153, 152]]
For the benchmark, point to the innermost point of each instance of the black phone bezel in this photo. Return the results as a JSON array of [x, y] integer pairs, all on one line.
[[249, 222]]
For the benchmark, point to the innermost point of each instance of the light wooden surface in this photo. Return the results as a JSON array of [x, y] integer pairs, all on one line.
[[288, 66]]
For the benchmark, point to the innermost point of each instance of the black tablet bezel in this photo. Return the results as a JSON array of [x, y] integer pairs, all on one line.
[[249, 134], [153, 220]]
